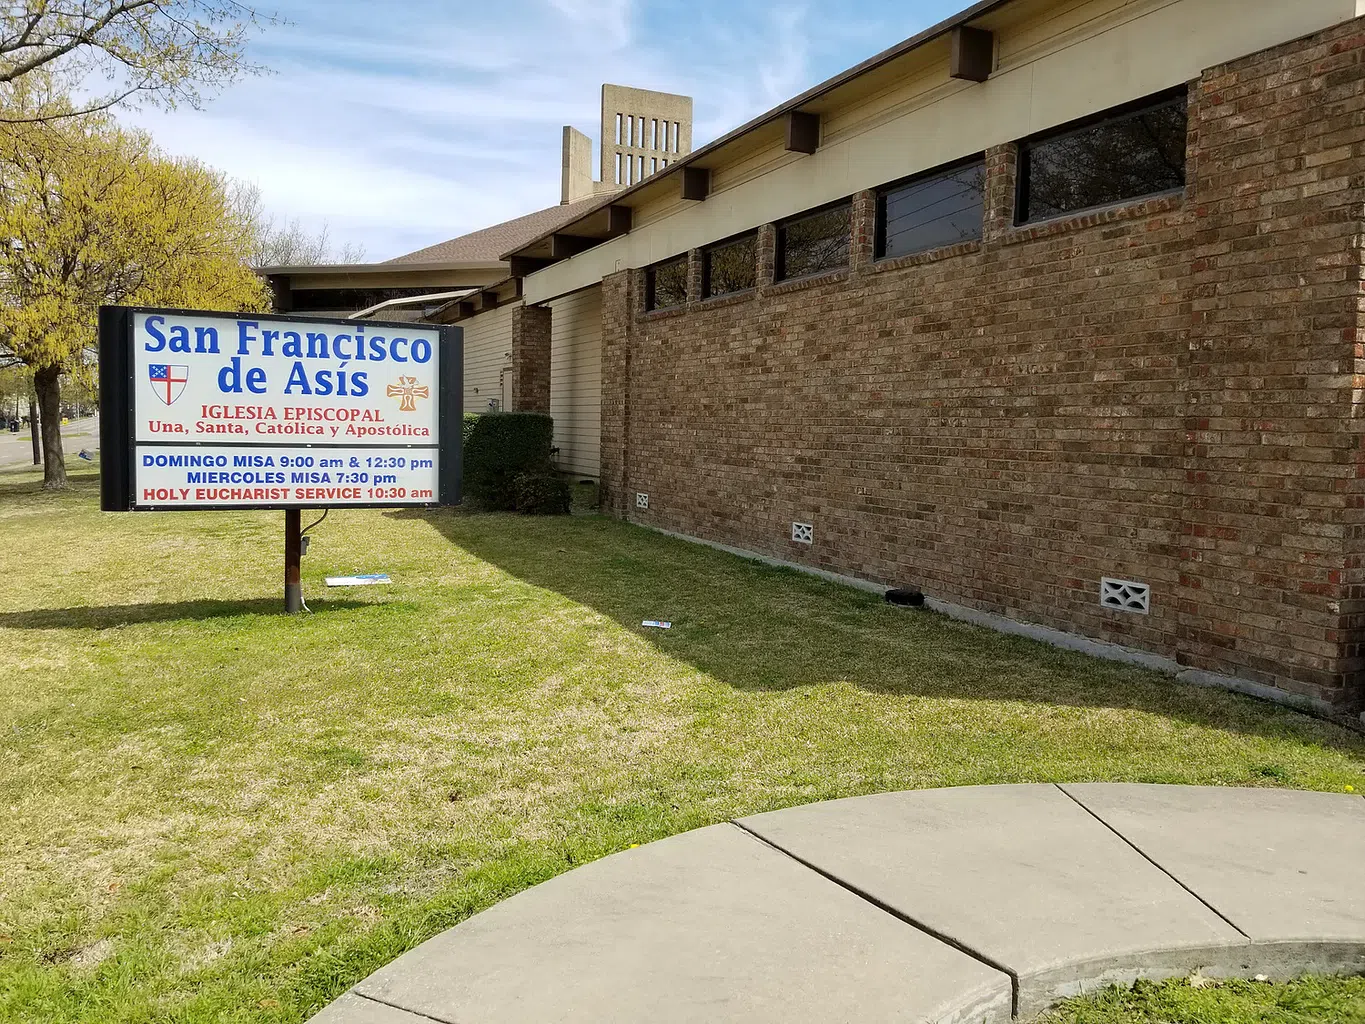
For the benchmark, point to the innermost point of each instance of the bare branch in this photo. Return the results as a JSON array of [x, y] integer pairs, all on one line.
[[158, 51], [51, 51], [96, 108]]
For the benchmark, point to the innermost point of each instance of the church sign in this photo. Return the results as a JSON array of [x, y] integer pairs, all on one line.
[[202, 410], [213, 410]]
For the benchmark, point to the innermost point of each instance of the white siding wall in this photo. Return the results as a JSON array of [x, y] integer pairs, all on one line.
[[576, 380], [487, 349]]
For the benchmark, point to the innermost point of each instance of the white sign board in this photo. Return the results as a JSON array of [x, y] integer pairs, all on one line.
[[250, 410], [170, 475]]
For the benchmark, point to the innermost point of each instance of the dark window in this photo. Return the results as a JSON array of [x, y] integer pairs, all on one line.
[[1127, 155], [934, 210], [666, 284], [730, 266], [815, 242]]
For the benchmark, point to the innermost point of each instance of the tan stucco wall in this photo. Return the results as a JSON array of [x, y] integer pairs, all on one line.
[[1075, 59], [576, 380], [487, 349]]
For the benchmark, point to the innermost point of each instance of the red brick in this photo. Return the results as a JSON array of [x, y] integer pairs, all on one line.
[[1161, 392]]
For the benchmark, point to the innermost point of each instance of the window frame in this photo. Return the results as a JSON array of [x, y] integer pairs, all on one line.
[[1025, 146], [706, 292], [651, 298], [780, 230], [879, 234]]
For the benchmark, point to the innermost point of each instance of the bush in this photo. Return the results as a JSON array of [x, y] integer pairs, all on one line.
[[467, 428], [500, 447], [542, 494]]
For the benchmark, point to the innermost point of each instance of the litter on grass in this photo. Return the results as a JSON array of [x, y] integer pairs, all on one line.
[[363, 580], [656, 624]]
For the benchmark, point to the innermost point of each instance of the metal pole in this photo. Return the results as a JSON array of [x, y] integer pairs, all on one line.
[[33, 429], [293, 550]]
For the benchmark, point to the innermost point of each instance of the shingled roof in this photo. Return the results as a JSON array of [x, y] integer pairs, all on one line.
[[488, 244]]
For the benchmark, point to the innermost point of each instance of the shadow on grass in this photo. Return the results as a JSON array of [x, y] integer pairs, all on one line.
[[113, 616], [83, 482], [759, 627]]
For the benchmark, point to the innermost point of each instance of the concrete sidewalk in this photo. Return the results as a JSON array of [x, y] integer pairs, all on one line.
[[950, 906]]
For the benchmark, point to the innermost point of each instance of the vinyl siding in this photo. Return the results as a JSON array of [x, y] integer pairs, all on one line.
[[487, 349], [576, 380]]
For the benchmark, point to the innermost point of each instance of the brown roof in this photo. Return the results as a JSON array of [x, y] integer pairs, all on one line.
[[488, 244]]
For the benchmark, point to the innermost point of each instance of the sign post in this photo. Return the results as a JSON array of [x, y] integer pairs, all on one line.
[[293, 558], [202, 410]]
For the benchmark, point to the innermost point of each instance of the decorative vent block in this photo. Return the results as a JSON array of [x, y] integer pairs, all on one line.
[[803, 533], [1126, 596], [641, 500]]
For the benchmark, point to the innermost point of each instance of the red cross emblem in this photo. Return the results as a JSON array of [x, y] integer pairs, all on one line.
[[168, 381]]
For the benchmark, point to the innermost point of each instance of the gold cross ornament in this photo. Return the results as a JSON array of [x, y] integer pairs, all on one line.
[[407, 391]]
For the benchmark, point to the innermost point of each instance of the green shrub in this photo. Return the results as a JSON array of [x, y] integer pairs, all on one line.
[[498, 448], [542, 494], [467, 428]]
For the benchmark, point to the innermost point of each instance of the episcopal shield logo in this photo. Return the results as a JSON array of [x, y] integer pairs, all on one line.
[[168, 381]]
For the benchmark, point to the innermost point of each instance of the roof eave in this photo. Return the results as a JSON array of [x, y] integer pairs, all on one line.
[[977, 10], [341, 269]]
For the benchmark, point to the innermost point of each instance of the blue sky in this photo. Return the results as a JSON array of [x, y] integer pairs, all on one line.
[[404, 123]]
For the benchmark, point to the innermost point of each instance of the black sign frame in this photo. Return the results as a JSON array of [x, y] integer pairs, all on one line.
[[118, 412]]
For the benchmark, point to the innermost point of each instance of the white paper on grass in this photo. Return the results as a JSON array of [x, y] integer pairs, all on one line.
[[363, 580], [656, 624]]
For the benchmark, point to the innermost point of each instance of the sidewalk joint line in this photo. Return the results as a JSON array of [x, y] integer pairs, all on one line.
[[402, 1009], [904, 918], [1152, 861]]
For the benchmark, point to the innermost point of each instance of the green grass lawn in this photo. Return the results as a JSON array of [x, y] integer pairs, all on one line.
[[1307, 1001], [214, 812]]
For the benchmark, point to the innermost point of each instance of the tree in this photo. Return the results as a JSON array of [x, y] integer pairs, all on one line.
[[92, 214], [16, 389], [18, 400], [287, 244], [161, 51]]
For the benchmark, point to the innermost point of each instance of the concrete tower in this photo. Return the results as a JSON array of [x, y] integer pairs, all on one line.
[[642, 133]]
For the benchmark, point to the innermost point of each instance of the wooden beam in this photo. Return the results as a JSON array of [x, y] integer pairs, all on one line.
[[618, 220], [564, 246], [696, 183], [520, 266], [973, 54], [281, 293], [803, 132], [487, 300]]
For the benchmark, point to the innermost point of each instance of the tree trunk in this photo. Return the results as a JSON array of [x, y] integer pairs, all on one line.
[[47, 382], [33, 432]]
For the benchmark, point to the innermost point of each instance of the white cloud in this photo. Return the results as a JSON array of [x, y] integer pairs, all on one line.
[[607, 20], [405, 124]]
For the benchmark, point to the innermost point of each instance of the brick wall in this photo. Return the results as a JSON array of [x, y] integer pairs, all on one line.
[[618, 313], [531, 358], [1163, 392]]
